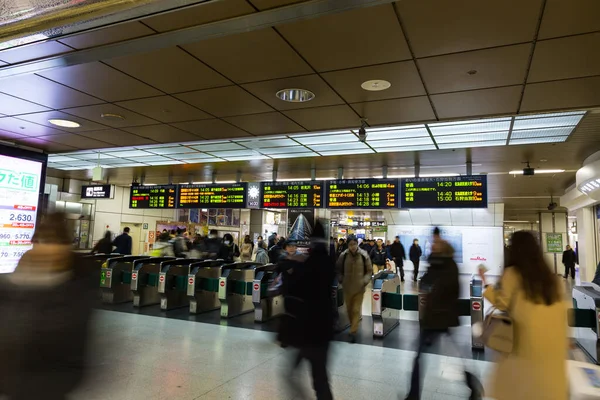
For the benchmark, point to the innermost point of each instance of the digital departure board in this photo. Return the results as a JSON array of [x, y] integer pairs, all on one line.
[[231, 195], [160, 196], [303, 194], [444, 192], [362, 193]]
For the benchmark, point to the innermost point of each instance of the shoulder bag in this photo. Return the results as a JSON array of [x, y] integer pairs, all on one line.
[[498, 329]]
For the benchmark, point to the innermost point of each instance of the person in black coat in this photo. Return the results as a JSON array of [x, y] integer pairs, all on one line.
[[307, 325], [104, 245], [123, 243], [229, 251], [569, 259], [415, 254], [398, 254]]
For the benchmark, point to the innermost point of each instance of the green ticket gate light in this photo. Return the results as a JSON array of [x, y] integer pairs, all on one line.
[[235, 288]]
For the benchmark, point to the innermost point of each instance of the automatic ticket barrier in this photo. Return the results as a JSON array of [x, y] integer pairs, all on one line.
[[235, 288], [475, 309], [267, 303], [115, 279], [203, 286], [342, 320], [386, 303], [173, 283], [585, 318], [144, 281]]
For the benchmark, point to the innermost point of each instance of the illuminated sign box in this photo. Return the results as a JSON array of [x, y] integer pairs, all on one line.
[[300, 194], [445, 192], [146, 197], [97, 192], [233, 195], [362, 194]]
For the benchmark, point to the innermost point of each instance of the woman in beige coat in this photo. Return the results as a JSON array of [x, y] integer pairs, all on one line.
[[536, 368]]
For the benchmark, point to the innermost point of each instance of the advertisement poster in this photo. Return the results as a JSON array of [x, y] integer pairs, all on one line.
[[554, 242], [300, 223], [19, 195], [472, 245]]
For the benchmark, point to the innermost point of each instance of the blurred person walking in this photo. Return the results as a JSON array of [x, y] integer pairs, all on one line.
[[378, 257], [261, 253], [123, 243], [229, 251], [104, 245], [247, 249], [354, 270], [415, 254], [307, 325], [255, 249], [398, 254], [569, 260], [440, 311], [275, 251], [162, 247], [46, 308], [536, 367]]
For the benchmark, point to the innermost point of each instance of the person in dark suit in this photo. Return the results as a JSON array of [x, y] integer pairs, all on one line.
[[568, 260], [123, 243], [415, 254]]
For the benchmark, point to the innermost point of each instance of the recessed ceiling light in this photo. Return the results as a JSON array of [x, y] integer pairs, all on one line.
[[65, 123], [295, 95], [112, 117], [376, 85]]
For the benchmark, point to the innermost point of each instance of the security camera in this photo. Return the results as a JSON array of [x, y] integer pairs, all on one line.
[[362, 134]]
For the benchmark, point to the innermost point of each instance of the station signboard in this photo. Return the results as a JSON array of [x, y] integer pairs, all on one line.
[[231, 195], [97, 192], [292, 194], [158, 196], [469, 191], [362, 194]]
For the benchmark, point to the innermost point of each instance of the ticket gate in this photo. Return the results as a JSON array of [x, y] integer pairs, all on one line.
[[203, 286], [235, 288], [476, 309], [172, 283], [386, 303], [144, 281], [267, 303], [97, 262], [585, 318], [342, 320], [115, 279]]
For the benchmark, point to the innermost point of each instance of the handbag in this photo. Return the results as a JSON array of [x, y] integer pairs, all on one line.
[[498, 330]]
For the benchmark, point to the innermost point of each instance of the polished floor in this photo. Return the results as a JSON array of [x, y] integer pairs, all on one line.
[[150, 358]]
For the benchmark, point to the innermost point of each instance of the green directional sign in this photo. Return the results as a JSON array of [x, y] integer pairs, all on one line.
[[102, 277], [554, 242]]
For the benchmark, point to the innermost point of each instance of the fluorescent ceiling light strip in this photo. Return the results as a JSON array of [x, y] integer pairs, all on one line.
[[399, 143], [323, 133], [469, 128], [396, 128], [340, 146], [535, 123], [553, 139], [219, 147], [539, 171], [472, 121], [346, 152], [398, 135], [404, 149], [544, 132], [327, 139], [246, 158], [476, 137], [268, 143], [466, 145], [547, 115], [294, 155]]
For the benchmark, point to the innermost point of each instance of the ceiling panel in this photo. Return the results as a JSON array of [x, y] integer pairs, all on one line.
[[571, 57], [225, 101], [117, 137], [267, 90], [403, 76], [396, 111], [10, 135], [267, 4], [170, 70], [33, 51], [563, 18], [572, 93], [199, 15], [265, 124], [44, 145], [250, 56], [94, 113], [162, 133], [111, 34], [45, 92], [355, 38], [26, 128], [11, 105], [43, 117], [324, 118], [442, 27], [211, 129], [477, 102], [501, 66], [101, 81], [325, 138], [165, 109], [272, 141], [80, 142]]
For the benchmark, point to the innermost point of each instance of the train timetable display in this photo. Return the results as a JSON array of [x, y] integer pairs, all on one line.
[[232, 195], [302, 194], [160, 196], [362, 193], [444, 192]]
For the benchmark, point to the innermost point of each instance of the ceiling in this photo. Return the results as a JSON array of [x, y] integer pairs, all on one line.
[[445, 61]]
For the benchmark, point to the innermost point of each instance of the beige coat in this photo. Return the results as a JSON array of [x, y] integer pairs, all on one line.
[[536, 369], [355, 275]]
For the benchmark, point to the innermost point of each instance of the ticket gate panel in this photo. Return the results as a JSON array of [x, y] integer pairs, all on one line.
[[267, 304], [235, 289], [476, 312], [172, 281], [342, 320], [116, 279], [145, 279], [203, 286], [385, 292], [585, 319]]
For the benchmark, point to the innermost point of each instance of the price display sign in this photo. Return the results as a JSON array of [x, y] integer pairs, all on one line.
[[304, 194], [19, 195], [362, 193], [444, 192], [160, 196], [231, 195]]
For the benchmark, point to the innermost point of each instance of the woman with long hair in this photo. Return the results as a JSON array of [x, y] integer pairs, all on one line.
[[531, 293]]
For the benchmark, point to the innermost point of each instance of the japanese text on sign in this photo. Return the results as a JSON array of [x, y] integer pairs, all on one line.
[[292, 195], [153, 196], [213, 196], [362, 193], [444, 192]]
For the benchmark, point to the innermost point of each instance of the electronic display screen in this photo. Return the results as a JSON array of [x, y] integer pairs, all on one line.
[[362, 193], [302, 194], [20, 181], [444, 192], [231, 195], [159, 196]]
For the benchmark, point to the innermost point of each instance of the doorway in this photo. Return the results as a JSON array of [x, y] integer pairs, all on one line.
[[134, 232]]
